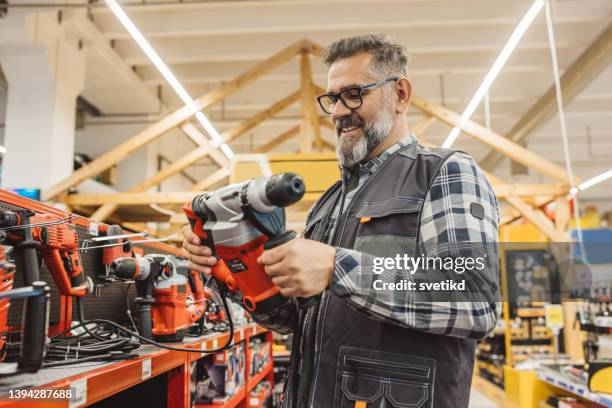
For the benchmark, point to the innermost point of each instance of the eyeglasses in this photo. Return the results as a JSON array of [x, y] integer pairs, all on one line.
[[351, 97]]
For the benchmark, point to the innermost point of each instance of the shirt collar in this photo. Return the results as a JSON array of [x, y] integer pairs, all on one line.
[[374, 163]]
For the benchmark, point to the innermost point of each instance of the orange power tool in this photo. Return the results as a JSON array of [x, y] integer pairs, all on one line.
[[58, 243], [165, 307], [238, 222]]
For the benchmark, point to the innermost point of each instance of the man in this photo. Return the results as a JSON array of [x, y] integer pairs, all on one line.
[[362, 345]]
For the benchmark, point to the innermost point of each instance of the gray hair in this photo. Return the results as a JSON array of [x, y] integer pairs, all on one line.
[[388, 58]]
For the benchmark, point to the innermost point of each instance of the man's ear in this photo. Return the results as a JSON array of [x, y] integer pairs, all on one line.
[[403, 87]]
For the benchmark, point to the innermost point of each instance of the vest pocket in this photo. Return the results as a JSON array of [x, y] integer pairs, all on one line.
[[383, 379], [394, 218]]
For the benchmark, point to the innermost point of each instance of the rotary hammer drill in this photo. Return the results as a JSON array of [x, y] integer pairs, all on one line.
[[238, 222]]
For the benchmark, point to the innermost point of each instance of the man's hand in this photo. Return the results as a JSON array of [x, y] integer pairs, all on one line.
[[200, 258], [301, 267]]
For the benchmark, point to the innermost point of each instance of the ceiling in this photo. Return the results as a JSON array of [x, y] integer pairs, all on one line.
[[452, 44]]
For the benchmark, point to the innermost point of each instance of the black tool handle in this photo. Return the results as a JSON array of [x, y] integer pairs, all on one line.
[[26, 257], [278, 240], [145, 322], [34, 324]]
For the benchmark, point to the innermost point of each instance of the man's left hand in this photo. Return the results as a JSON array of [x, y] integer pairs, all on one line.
[[301, 267]]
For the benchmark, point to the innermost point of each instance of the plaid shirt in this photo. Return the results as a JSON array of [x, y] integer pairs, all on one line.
[[446, 222]]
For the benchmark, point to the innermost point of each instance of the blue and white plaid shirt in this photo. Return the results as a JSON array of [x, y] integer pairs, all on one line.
[[446, 219]]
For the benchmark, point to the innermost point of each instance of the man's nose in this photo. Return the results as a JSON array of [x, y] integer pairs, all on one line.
[[340, 110]]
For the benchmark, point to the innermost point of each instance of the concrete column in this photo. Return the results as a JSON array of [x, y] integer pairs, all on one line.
[[45, 73]]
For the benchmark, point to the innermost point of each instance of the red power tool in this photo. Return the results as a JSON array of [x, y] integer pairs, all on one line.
[[238, 222], [7, 271], [58, 243], [164, 308]]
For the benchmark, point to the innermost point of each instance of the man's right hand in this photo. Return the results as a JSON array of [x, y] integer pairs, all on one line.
[[200, 258]]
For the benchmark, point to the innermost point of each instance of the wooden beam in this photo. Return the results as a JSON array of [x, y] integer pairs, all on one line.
[[167, 198], [185, 161], [311, 47], [200, 140], [175, 197], [255, 120], [489, 137], [503, 190], [278, 140], [422, 125], [195, 155], [310, 130], [173, 120], [328, 145], [212, 179], [562, 213], [537, 218], [588, 66], [326, 123], [531, 214]]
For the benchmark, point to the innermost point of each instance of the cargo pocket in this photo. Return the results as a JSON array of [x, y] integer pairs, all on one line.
[[372, 379], [388, 227]]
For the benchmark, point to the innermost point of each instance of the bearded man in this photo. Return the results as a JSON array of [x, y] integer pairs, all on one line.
[[358, 345]]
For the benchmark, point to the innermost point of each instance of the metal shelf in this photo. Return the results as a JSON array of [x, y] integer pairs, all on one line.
[[574, 386], [94, 382]]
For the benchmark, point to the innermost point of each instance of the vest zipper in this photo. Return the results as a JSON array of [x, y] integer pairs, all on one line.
[[342, 223], [322, 305]]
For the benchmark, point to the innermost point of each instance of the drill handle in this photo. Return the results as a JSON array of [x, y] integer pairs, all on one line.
[[281, 239], [145, 321], [35, 324], [197, 226]]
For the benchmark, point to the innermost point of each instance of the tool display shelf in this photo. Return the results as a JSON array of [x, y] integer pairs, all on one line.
[[91, 383], [574, 386], [239, 399]]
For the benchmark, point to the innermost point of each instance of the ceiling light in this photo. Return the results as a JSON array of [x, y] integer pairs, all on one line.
[[496, 68], [167, 74], [592, 181]]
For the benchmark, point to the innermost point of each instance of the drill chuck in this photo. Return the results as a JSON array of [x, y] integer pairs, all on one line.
[[130, 268], [8, 219], [284, 189]]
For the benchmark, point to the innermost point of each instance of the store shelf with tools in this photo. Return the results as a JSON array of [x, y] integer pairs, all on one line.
[[93, 384], [245, 385]]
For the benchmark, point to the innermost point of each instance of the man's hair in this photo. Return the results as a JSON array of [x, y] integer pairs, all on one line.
[[388, 58]]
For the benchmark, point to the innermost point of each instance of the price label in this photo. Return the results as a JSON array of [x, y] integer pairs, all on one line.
[[79, 393], [554, 317], [146, 369], [94, 229]]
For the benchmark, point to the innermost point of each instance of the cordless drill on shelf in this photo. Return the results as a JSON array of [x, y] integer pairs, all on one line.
[[35, 317], [238, 222], [58, 243], [163, 283]]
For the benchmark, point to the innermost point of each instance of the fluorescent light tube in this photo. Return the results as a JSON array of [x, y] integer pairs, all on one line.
[[499, 63], [167, 74]]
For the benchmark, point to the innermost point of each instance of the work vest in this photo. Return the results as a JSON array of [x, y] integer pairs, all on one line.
[[357, 359]]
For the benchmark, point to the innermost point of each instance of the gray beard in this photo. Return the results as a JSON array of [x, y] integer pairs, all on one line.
[[352, 153]]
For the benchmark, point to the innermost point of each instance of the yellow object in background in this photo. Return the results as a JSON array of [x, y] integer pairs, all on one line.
[[521, 233], [319, 170], [600, 376]]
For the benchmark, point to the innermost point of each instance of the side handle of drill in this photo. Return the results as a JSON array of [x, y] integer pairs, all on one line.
[[138, 269], [220, 270], [25, 247]]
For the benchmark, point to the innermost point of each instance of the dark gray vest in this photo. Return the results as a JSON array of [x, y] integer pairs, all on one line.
[[356, 357]]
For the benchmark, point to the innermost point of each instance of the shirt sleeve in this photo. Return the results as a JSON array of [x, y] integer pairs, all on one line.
[[459, 219]]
